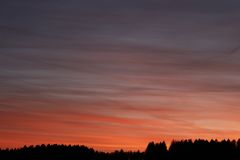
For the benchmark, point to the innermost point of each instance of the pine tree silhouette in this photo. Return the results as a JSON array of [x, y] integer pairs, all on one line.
[[178, 150]]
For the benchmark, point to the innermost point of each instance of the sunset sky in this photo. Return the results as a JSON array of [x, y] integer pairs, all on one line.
[[114, 74]]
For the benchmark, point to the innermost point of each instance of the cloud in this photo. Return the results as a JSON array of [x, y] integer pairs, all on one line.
[[104, 73]]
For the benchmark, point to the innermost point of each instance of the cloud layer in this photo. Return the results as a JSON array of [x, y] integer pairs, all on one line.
[[118, 74]]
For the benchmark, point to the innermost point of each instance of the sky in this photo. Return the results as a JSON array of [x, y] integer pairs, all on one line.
[[115, 74]]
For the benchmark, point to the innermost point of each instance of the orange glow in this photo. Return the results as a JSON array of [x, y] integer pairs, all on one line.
[[127, 127]]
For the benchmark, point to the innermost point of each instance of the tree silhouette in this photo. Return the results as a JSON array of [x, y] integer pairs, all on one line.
[[179, 150]]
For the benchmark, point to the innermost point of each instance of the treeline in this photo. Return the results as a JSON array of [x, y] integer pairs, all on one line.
[[65, 152], [178, 150], [194, 150]]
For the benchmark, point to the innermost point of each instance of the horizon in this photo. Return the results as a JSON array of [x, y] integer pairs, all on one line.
[[185, 149], [121, 149], [115, 74]]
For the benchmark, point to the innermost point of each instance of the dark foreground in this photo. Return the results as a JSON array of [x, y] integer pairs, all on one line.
[[179, 150]]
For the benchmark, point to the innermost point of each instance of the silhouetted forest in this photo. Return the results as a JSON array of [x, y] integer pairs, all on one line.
[[178, 150]]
